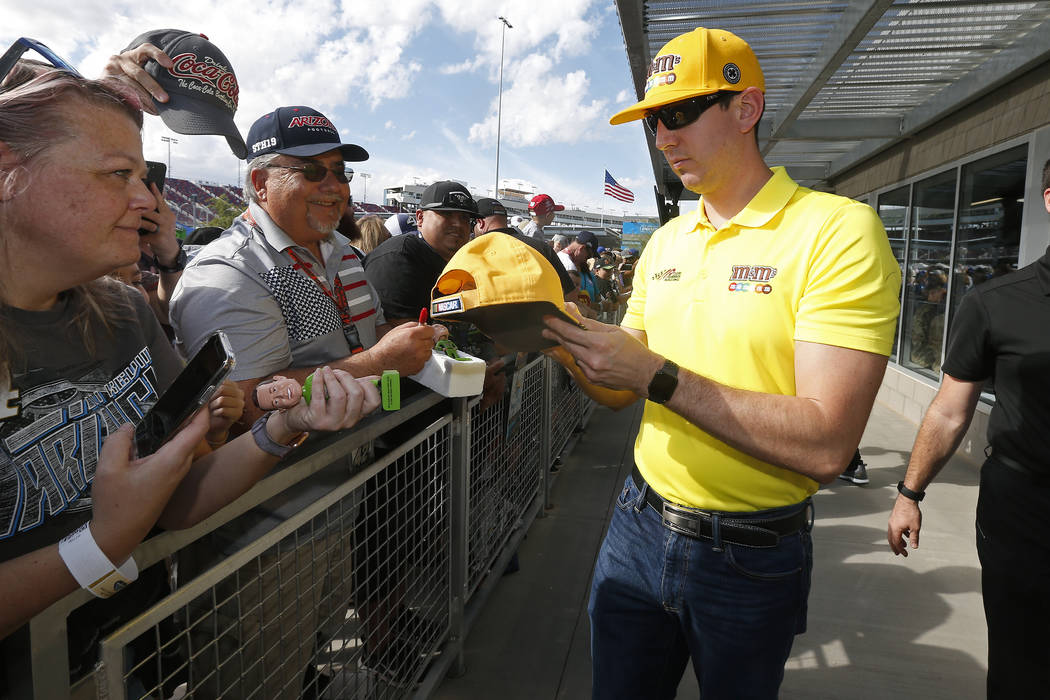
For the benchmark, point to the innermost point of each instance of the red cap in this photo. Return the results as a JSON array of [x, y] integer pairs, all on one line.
[[542, 204]]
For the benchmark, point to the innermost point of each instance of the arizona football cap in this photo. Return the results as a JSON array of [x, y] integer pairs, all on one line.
[[202, 88], [505, 288], [700, 62], [299, 131]]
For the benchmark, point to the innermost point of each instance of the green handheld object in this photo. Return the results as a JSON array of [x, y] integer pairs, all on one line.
[[449, 348], [389, 386], [390, 389]]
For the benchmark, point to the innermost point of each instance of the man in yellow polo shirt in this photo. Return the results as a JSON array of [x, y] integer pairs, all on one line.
[[758, 331]]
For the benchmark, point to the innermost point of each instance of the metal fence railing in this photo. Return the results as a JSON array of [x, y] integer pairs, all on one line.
[[365, 590]]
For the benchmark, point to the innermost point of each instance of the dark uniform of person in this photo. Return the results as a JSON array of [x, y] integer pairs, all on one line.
[[1002, 332]]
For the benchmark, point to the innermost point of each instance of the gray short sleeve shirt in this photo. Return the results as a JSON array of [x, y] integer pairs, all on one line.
[[247, 284]]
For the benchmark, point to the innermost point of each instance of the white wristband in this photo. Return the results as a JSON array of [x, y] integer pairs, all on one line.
[[91, 567]]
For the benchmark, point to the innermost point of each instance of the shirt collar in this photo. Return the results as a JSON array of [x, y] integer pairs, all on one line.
[[280, 240], [767, 202]]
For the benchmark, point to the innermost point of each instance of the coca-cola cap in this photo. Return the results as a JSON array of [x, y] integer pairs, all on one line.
[[201, 85]]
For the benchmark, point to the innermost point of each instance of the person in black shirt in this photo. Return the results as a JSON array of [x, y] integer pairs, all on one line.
[[999, 333], [405, 268]]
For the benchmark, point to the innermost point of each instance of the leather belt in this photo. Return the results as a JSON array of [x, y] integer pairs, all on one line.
[[700, 524], [1005, 460]]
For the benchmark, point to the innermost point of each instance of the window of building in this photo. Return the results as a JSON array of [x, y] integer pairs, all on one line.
[[893, 210], [926, 276], [991, 201]]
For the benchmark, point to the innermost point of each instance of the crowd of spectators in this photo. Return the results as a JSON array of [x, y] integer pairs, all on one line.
[[298, 284]]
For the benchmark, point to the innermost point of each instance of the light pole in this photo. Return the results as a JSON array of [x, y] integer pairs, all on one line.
[[499, 109], [168, 140], [366, 177]]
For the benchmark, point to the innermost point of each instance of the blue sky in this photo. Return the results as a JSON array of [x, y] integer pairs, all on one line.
[[413, 81]]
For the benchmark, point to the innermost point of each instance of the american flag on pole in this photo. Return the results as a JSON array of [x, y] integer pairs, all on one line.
[[616, 190]]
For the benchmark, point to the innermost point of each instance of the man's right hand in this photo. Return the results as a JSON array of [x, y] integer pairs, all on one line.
[[405, 348], [904, 525]]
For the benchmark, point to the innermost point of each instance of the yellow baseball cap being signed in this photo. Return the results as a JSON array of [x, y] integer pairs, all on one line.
[[700, 62], [502, 286]]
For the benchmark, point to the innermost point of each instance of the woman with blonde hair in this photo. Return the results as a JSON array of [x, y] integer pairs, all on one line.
[[373, 232]]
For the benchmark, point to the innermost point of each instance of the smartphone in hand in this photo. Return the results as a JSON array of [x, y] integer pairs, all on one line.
[[155, 173], [191, 390]]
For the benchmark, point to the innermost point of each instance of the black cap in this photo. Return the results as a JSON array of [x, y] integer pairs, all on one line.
[[588, 239], [298, 131], [487, 206], [448, 195], [202, 88]]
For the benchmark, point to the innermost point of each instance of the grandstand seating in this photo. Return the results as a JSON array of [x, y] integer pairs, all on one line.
[[190, 200]]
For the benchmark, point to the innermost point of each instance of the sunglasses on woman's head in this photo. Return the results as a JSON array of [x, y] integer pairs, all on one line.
[[681, 114], [11, 56]]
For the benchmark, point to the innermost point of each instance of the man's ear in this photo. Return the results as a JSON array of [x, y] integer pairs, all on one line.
[[259, 177], [750, 107], [1046, 199], [419, 219]]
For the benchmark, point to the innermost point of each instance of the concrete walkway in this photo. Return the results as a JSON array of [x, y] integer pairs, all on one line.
[[880, 627]]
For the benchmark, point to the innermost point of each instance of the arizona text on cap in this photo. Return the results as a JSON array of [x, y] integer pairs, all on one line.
[[543, 204], [505, 288], [202, 88], [299, 131], [487, 206], [448, 195], [700, 62]]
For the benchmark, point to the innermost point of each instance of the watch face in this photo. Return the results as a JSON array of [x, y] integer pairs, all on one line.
[[664, 382]]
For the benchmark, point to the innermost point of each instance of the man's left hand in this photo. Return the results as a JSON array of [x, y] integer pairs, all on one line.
[[607, 355]]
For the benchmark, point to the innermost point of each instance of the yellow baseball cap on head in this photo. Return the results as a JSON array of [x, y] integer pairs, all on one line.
[[701, 62], [502, 286]]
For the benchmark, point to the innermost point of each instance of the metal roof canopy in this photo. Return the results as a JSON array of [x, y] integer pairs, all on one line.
[[847, 80]]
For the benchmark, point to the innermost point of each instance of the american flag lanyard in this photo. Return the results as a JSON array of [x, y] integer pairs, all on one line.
[[338, 298]]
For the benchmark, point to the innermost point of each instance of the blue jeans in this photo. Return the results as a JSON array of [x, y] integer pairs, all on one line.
[[659, 598]]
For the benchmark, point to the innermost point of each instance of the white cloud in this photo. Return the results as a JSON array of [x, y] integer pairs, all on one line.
[[542, 107], [468, 66], [409, 136], [624, 97], [389, 124]]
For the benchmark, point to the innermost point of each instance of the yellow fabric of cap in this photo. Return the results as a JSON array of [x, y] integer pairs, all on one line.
[[700, 62], [502, 286]]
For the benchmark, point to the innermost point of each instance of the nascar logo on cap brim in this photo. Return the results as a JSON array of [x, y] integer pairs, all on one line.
[[449, 305]]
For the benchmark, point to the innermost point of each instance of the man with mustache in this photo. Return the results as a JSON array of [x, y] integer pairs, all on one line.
[[290, 292], [286, 287]]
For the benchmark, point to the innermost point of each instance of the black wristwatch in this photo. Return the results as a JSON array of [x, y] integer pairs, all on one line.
[[908, 493], [664, 382], [178, 266]]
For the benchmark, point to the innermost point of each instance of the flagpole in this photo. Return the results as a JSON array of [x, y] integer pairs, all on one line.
[[601, 210]]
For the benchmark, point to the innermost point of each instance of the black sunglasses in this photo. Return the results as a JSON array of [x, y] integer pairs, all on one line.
[[11, 56], [681, 114], [315, 172]]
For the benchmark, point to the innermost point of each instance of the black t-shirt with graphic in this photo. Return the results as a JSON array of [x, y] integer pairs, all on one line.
[[61, 404]]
